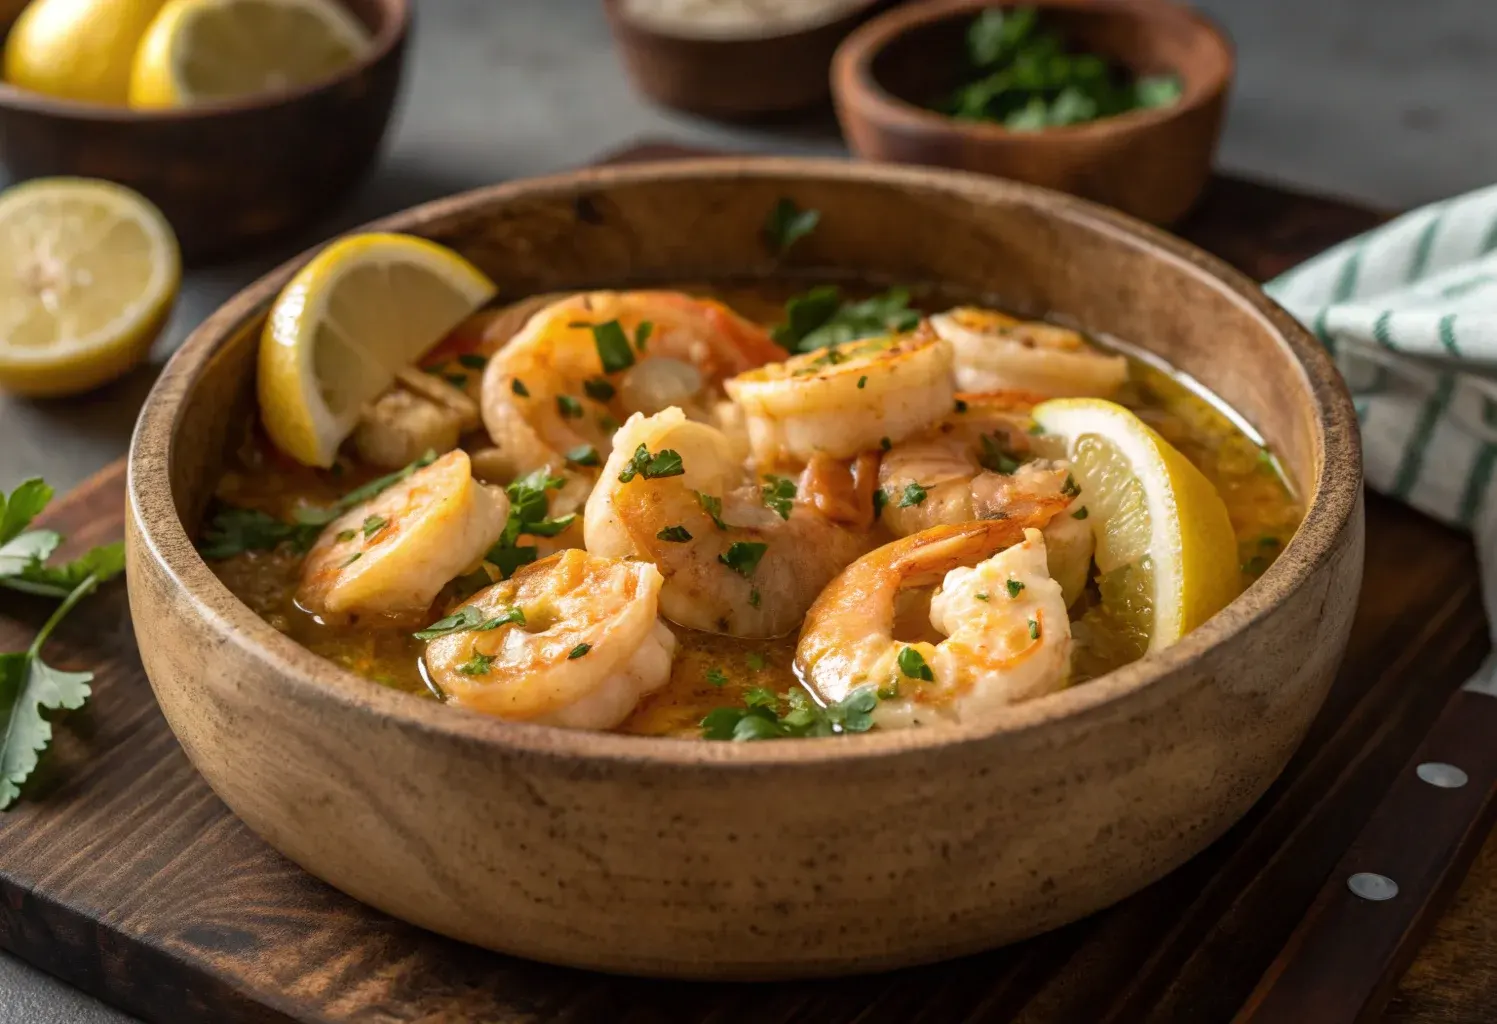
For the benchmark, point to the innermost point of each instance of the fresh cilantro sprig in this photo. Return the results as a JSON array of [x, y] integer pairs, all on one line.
[[760, 718], [820, 318], [29, 687]]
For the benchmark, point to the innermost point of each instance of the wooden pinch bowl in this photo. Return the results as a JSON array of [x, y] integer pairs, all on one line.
[[226, 174], [765, 860], [732, 78], [1150, 163]]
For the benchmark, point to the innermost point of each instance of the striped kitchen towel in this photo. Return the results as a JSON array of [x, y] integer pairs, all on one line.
[[1409, 311]]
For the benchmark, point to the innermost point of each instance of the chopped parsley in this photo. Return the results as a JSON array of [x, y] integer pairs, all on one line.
[[527, 515], [820, 318], [880, 499], [478, 665], [912, 663], [961, 406], [344, 536], [1034, 629], [612, 345], [470, 618], [674, 534], [779, 495], [743, 557], [457, 380], [1069, 488], [472, 360], [889, 690], [1080, 513], [374, 524], [861, 382], [754, 597], [994, 458], [787, 224], [713, 506], [607, 423], [755, 661], [579, 651], [351, 559], [885, 443], [642, 334], [583, 455], [716, 677], [981, 596], [568, 407], [1014, 588], [913, 494], [652, 467], [761, 718], [518, 387], [598, 389]]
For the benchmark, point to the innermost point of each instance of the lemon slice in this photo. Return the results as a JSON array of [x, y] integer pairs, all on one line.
[[366, 307], [199, 51], [1166, 551], [88, 274]]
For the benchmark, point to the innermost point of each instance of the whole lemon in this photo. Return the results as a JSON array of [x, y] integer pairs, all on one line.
[[78, 49]]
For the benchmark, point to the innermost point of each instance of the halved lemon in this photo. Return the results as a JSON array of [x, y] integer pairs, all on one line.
[[366, 307], [198, 51], [78, 49], [1166, 551], [88, 273]]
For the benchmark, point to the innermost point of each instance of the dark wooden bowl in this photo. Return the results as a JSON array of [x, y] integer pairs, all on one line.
[[757, 860], [230, 174], [1150, 163], [732, 78]]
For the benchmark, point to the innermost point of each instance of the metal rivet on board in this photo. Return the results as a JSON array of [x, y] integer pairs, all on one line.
[[1438, 773], [1372, 886]]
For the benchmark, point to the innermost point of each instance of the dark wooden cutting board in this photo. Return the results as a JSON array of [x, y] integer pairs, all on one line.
[[123, 874]]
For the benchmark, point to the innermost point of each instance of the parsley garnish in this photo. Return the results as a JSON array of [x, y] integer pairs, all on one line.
[[787, 224], [819, 318], [961, 406], [779, 495], [527, 515], [457, 380], [477, 665], [1014, 587], [642, 334], [760, 717], [652, 467], [607, 423], [613, 346], [674, 534], [912, 663], [862, 381], [754, 597], [880, 499], [715, 677], [885, 443], [598, 389], [569, 407], [1080, 513], [518, 387], [374, 524], [743, 557], [913, 494], [755, 661], [579, 651], [1034, 629], [583, 455], [1069, 488], [470, 618], [351, 559], [889, 690], [472, 361], [713, 507], [994, 458], [981, 596], [344, 536]]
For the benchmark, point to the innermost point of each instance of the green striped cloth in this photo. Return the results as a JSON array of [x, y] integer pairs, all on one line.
[[1409, 311]]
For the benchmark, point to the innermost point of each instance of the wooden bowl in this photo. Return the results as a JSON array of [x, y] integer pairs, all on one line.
[[1150, 163], [229, 174], [765, 860], [732, 78]]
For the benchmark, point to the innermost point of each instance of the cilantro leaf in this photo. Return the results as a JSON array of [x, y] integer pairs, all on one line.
[[779, 495], [787, 224], [743, 556], [913, 494], [674, 534], [478, 665], [713, 506]]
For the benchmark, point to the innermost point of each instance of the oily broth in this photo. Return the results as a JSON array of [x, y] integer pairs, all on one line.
[[713, 671]]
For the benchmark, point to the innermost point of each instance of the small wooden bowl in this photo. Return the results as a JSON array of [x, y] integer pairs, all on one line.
[[1150, 163], [230, 174], [765, 860], [732, 78]]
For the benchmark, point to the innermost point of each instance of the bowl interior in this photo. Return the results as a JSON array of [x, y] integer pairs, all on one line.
[[1036, 251], [924, 63]]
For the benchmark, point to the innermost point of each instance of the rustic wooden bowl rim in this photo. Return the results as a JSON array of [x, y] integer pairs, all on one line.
[[616, 7], [852, 68], [392, 31], [1333, 500]]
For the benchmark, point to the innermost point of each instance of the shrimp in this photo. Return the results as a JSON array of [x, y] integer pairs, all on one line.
[[1006, 637], [971, 466], [673, 494], [392, 555], [995, 351], [559, 389], [572, 640], [849, 398]]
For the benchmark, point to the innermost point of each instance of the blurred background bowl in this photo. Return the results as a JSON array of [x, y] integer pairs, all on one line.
[[228, 174], [1150, 163], [733, 78]]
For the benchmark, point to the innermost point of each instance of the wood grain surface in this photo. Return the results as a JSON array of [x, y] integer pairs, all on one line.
[[123, 874]]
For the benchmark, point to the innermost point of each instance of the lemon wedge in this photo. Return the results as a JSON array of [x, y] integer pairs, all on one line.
[[199, 51], [78, 49], [1166, 551], [366, 307], [88, 273]]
